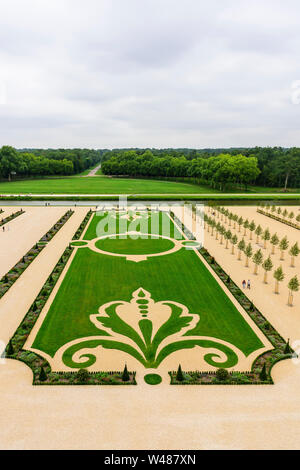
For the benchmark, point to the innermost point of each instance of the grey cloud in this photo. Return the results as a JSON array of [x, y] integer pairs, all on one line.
[[165, 73]]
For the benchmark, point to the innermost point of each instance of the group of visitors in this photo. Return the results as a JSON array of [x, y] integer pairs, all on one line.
[[248, 284]]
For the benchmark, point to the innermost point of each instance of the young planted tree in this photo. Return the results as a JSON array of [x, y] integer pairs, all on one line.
[[263, 374], [241, 247], [213, 226], [294, 252], [234, 241], [248, 253], [252, 227], [279, 277], [279, 210], [257, 260], [267, 266], [285, 213], [240, 222], [42, 375], [273, 209], [266, 237], [230, 218], [228, 237], [179, 375], [218, 226], [125, 374], [235, 219], [258, 233], [222, 232], [293, 286], [226, 214], [283, 246], [274, 242], [246, 226], [298, 218], [291, 216]]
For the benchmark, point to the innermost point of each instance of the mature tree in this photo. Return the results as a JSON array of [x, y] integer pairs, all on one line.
[[293, 286], [279, 277], [294, 252], [267, 266], [257, 260]]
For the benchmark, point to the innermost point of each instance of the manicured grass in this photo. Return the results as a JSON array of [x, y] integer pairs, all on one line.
[[158, 224], [152, 379], [94, 279], [130, 246], [100, 185]]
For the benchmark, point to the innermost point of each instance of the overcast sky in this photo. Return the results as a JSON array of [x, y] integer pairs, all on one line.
[[149, 73]]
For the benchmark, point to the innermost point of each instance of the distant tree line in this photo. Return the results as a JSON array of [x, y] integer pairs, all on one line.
[[49, 162], [263, 166]]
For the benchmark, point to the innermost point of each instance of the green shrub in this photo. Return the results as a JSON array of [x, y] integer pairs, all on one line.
[[222, 374]]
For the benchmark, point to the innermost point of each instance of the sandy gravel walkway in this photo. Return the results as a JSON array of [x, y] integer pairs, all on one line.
[[15, 303], [23, 232], [284, 318]]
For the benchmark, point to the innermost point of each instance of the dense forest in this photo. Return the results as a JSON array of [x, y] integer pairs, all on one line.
[[223, 168], [220, 168], [41, 162]]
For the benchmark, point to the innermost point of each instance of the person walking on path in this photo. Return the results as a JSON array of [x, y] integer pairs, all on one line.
[[244, 284], [248, 284]]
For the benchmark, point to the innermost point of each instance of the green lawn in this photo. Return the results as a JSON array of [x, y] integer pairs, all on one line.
[[100, 185], [131, 246], [94, 279]]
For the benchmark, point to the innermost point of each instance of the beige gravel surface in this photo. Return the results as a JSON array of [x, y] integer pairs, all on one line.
[[24, 231]]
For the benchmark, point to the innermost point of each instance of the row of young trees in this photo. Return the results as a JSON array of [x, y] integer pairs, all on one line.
[[220, 171], [217, 228], [45, 162], [281, 214]]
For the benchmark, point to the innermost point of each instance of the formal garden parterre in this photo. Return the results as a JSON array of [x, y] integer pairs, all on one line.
[[142, 305]]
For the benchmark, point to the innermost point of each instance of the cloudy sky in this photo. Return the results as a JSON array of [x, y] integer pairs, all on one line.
[[149, 73]]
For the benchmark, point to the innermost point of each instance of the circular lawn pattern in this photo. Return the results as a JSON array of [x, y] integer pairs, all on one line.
[[152, 379], [130, 246], [78, 243]]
